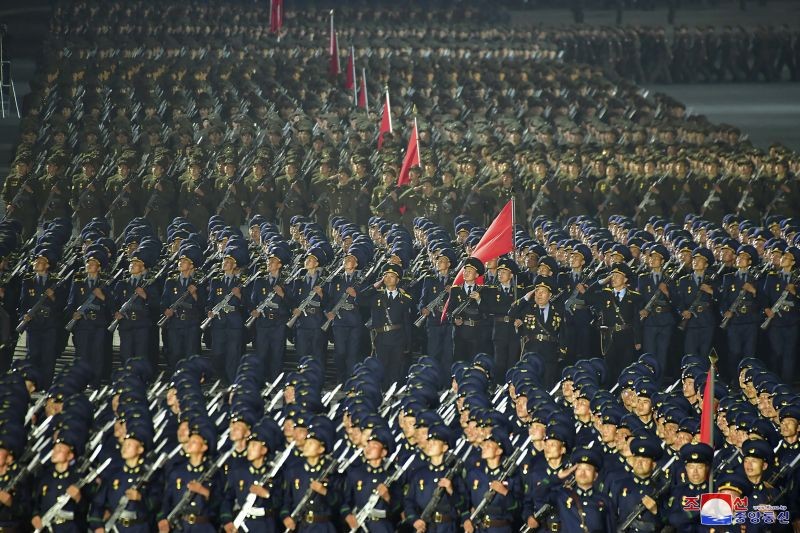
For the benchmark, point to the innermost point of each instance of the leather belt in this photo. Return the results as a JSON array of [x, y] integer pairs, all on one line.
[[743, 309], [502, 319], [470, 323], [439, 518], [487, 522], [192, 519], [311, 518], [579, 306], [386, 329], [541, 337], [659, 309], [129, 522], [620, 327]]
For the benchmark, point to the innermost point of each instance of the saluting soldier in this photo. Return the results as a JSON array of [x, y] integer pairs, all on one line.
[[539, 323]]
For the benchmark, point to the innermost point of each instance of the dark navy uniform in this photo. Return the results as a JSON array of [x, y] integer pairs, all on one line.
[[183, 329], [309, 338], [682, 507], [320, 511], [347, 326], [541, 329], [577, 338], [43, 331], [658, 326], [624, 326], [391, 324], [89, 333], [227, 327], [439, 333], [498, 302], [18, 514], [360, 480], [582, 511], [264, 513], [501, 513], [138, 515], [135, 326], [700, 327], [783, 328], [269, 339], [471, 336], [51, 485], [421, 487], [201, 513], [742, 330]]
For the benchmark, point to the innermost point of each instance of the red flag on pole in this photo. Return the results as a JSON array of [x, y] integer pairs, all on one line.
[[386, 120], [350, 74], [275, 16], [707, 413], [498, 240], [411, 158], [333, 52], [363, 99]]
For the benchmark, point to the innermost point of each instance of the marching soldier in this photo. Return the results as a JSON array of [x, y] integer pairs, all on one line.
[[309, 338], [467, 315], [637, 488], [739, 303], [15, 501], [693, 482], [499, 304], [136, 321], [658, 321], [123, 191], [695, 301], [88, 190], [577, 315], [159, 193], [540, 325], [439, 333], [292, 194], [182, 304], [783, 316], [269, 340]]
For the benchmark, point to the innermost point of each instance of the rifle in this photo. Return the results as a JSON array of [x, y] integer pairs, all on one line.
[[646, 199], [223, 304], [32, 410], [227, 198], [29, 468], [311, 294], [539, 198], [366, 511], [90, 298], [438, 494], [736, 303], [697, 299], [249, 502], [262, 306], [509, 466], [781, 304], [129, 303], [63, 499], [433, 304], [657, 292], [640, 508], [463, 305], [180, 508], [546, 507], [786, 469], [341, 304], [111, 523], [40, 303], [177, 303]]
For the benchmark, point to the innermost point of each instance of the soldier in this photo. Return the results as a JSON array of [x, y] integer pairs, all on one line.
[[739, 303], [499, 304], [342, 195], [638, 488], [309, 338], [227, 324], [621, 328], [695, 302], [346, 318], [269, 340], [248, 479], [292, 194], [439, 333], [182, 304], [540, 325], [21, 193], [159, 193], [195, 194], [43, 327], [693, 482], [55, 190], [659, 320], [390, 313], [781, 308], [262, 190], [136, 321], [90, 302], [317, 453], [15, 501], [123, 191], [467, 314], [229, 195], [577, 315], [88, 190]]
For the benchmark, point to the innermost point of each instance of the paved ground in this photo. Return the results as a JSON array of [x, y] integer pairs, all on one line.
[[768, 113]]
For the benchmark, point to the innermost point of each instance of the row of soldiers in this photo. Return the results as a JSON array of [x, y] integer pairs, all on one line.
[[599, 452]]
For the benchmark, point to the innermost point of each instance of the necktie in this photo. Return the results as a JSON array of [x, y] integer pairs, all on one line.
[[469, 290], [391, 296], [227, 281], [91, 284], [619, 296], [542, 315], [183, 282], [657, 278]]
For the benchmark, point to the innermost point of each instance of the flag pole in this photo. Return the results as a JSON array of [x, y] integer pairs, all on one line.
[[389, 109], [713, 359], [353, 73], [364, 88]]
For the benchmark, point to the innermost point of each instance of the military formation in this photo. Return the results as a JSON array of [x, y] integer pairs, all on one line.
[[220, 311]]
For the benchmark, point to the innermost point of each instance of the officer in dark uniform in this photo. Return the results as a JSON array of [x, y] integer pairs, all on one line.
[[659, 320], [577, 339], [43, 328], [309, 338], [390, 314], [135, 323], [347, 323], [621, 328], [424, 482], [695, 300], [88, 190], [691, 483], [159, 195], [15, 502], [269, 340], [757, 456], [439, 332], [247, 479], [227, 327], [539, 323], [469, 322], [739, 304], [499, 299], [782, 329], [317, 453], [123, 192], [91, 302], [637, 488], [187, 295], [484, 475]]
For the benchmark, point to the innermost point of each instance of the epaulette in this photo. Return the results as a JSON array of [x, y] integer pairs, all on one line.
[[80, 276], [634, 292], [404, 293], [608, 289]]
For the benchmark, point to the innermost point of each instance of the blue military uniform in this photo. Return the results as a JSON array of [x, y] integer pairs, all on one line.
[[360, 480], [498, 301], [681, 507], [309, 338], [577, 338], [783, 328], [439, 333], [700, 327], [347, 326], [227, 328], [658, 326], [89, 334], [269, 339], [263, 515], [135, 326], [628, 493], [51, 485], [19, 512], [201, 513], [138, 515], [742, 330], [183, 329]]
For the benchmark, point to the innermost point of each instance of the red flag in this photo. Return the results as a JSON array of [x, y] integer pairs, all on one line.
[[350, 73], [707, 413], [498, 240], [363, 99], [275, 16], [411, 158], [333, 52], [386, 120]]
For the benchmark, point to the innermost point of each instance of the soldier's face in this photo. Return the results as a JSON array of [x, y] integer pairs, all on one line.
[[696, 473], [374, 451], [753, 466], [313, 448], [470, 274], [553, 449], [537, 431], [655, 260], [742, 261], [490, 450], [699, 263], [22, 169], [61, 454], [541, 296], [585, 475], [608, 432], [196, 445], [644, 406], [581, 407], [504, 276], [642, 466], [311, 263], [256, 450], [435, 447], [787, 261], [136, 268], [40, 264], [576, 261], [92, 267], [350, 263], [788, 427], [239, 431], [131, 449]]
